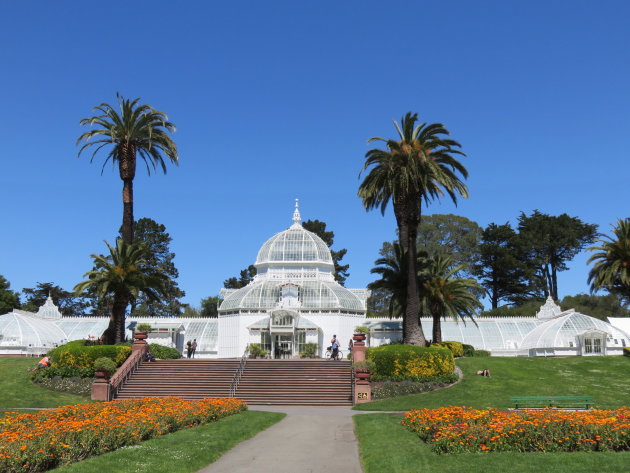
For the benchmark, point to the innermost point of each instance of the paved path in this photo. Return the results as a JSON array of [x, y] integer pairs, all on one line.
[[310, 439]]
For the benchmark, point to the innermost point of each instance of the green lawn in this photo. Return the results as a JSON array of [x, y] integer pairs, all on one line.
[[386, 446], [17, 390], [182, 452], [604, 378]]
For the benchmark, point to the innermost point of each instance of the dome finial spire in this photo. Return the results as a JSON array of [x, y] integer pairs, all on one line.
[[297, 219]]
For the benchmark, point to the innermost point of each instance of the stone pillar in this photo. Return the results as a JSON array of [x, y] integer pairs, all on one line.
[[139, 345], [101, 390], [358, 347], [362, 388]]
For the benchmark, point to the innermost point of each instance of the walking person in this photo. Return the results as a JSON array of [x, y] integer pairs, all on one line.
[[193, 347], [188, 348], [334, 344]]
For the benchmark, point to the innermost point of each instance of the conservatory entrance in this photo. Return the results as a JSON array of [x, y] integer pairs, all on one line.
[[283, 334]]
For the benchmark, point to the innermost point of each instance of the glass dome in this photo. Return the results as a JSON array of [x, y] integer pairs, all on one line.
[[295, 245], [24, 330], [563, 330], [266, 294]]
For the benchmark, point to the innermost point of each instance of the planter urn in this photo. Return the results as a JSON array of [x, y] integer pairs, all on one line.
[[359, 337], [140, 335]]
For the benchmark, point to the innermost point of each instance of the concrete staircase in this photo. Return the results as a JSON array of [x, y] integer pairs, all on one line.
[[264, 382], [189, 379], [296, 382]]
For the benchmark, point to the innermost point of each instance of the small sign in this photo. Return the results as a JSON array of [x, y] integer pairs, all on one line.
[[362, 395]]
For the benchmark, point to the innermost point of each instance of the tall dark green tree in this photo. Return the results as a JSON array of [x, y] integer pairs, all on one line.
[[549, 243], [124, 274], [245, 277], [417, 166], [452, 235], [159, 255], [210, 307], [600, 307], [137, 131], [9, 299], [498, 266], [69, 303], [611, 258], [319, 228]]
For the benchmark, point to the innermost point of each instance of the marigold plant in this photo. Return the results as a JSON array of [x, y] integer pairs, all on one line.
[[462, 429], [50, 438]]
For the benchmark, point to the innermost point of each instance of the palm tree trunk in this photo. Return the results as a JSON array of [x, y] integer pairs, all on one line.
[[127, 170], [117, 320], [127, 223], [408, 218], [437, 329]]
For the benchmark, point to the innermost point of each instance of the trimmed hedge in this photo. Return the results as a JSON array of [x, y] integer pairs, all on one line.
[[411, 361], [626, 351], [164, 353], [456, 347], [77, 354], [469, 350], [481, 353]]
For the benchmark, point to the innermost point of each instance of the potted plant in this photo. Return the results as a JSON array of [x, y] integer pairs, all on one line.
[[103, 367], [309, 350], [141, 331], [363, 369], [256, 351], [360, 333]]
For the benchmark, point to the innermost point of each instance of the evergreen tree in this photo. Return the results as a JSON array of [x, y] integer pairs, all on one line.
[[69, 303], [498, 266], [9, 299]]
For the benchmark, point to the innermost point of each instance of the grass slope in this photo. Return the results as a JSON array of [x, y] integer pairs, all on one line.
[[182, 452], [604, 378], [385, 446], [17, 390]]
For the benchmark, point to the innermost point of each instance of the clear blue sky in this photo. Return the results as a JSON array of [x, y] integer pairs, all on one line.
[[276, 100]]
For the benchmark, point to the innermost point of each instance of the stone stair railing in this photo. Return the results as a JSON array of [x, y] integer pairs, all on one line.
[[106, 389]]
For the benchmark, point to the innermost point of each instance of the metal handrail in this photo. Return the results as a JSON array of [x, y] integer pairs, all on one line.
[[239, 373], [126, 369]]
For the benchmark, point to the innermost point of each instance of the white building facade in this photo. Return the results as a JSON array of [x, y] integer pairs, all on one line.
[[293, 299]]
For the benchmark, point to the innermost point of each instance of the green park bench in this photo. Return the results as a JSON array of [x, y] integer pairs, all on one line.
[[561, 402]]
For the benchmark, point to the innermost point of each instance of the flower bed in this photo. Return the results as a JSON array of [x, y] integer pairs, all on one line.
[[462, 429], [47, 439]]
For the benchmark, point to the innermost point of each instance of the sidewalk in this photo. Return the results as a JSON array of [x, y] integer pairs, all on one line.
[[310, 439]]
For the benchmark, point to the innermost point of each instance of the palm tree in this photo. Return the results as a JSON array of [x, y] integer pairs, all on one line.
[[392, 269], [612, 262], [417, 167], [137, 130], [123, 274], [445, 295]]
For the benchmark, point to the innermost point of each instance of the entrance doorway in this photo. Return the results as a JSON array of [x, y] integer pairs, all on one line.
[[282, 346]]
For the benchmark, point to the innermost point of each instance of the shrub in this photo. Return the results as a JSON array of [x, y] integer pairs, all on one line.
[[367, 366], [104, 364], [308, 349], [79, 355], [409, 360], [164, 353], [65, 372], [256, 350], [362, 329], [626, 351], [456, 347], [143, 327], [481, 353], [469, 350]]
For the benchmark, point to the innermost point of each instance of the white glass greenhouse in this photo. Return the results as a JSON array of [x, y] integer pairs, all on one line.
[[294, 299]]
